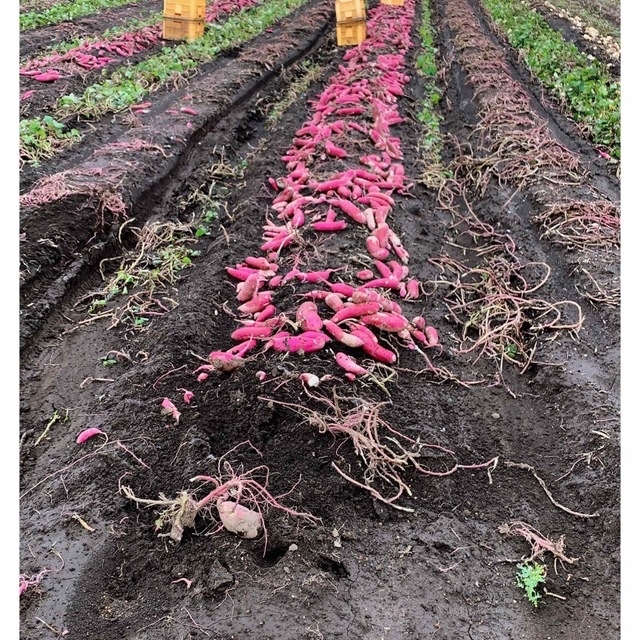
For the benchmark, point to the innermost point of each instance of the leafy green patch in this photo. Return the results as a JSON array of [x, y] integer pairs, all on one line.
[[40, 138], [529, 578], [66, 11], [204, 226], [583, 86]]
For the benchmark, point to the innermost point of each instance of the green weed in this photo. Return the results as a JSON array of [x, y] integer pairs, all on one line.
[[529, 578]]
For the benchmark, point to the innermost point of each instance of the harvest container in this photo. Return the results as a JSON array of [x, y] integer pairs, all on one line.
[[348, 10], [183, 19], [178, 29], [395, 3], [351, 33], [184, 9]]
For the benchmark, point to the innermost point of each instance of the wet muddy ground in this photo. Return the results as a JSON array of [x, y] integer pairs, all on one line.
[[444, 564]]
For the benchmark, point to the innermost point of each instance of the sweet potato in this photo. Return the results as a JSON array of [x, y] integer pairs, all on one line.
[[386, 321], [355, 311], [349, 364], [248, 288], [379, 353], [375, 250], [306, 342], [432, 336], [364, 275], [337, 332], [334, 302], [224, 361], [330, 227], [259, 302], [308, 318], [341, 288], [310, 379], [238, 519], [89, 433], [252, 331]]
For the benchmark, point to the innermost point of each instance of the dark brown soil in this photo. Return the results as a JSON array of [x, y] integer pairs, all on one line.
[[365, 571]]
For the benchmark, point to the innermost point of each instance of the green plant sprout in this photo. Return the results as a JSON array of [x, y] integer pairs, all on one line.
[[529, 578]]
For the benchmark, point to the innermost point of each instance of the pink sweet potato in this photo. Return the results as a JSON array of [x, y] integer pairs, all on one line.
[[337, 332], [364, 275], [259, 302], [379, 353], [47, 76], [268, 312], [432, 336], [170, 409], [386, 321], [355, 311], [413, 289], [310, 379], [89, 433], [329, 227], [334, 302], [375, 250], [349, 208], [252, 331], [308, 318], [248, 288], [342, 288], [306, 342], [350, 365], [224, 361], [243, 348]]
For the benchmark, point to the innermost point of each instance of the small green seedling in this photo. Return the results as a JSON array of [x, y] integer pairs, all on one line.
[[511, 350], [530, 576]]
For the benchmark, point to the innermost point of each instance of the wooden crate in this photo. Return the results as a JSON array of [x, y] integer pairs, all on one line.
[[184, 9], [395, 3], [179, 29], [351, 33], [348, 10]]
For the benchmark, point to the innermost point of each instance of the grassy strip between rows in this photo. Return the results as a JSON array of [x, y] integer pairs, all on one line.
[[428, 116], [129, 85], [66, 11], [583, 86]]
